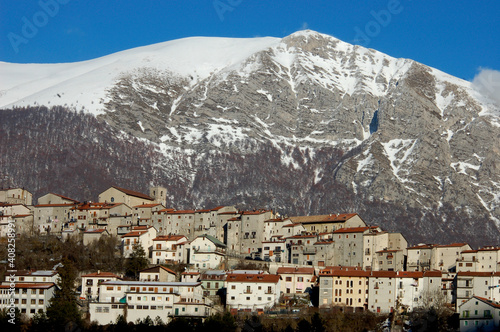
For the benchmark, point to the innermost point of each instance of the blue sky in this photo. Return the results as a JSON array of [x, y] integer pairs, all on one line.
[[458, 37]]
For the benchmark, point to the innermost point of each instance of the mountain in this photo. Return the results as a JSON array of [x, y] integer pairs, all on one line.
[[305, 124]]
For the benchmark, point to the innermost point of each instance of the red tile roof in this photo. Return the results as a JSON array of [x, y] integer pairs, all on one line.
[[134, 234], [274, 220], [156, 269], [295, 270], [489, 249], [36, 285], [353, 229], [324, 242], [147, 205], [469, 251], [487, 301], [169, 238], [166, 210], [140, 228], [133, 193], [345, 273], [255, 212], [66, 198], [423, 246], [242, 277], [180, 212]]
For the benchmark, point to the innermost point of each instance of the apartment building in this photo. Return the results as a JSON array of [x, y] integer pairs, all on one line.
[[136, 300], [252, 292], [343, 286]]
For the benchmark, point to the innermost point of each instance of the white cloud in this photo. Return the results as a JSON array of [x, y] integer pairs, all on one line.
[[304, 26], [487, 82]]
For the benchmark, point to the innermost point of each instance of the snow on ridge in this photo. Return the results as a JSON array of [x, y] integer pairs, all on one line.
[[266, 93], [393, 150], [84, 84]]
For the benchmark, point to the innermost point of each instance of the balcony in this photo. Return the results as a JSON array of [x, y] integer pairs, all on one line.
[[247, 292], [309, 251]]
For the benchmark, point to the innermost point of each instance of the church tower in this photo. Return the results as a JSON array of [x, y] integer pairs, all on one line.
[[159, 194]]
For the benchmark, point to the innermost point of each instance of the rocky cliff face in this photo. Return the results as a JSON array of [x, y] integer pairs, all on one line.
[[310, 124]]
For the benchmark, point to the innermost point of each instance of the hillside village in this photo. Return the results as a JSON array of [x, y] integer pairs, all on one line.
[[334, 260]]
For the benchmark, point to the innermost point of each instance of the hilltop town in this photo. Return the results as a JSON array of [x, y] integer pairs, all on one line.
[[326, 261]]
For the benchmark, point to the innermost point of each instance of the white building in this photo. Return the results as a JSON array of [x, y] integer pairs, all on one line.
[[165, 249], [32, 292], [29, 297], [412, 289], [252, 292], [157, 273], [295, 280], [34, 276], [143, 235], [445, 257], [91, 282], [482, 260], [206, 252], [479, 314], [136, 300], [484, 284], [418, 289]]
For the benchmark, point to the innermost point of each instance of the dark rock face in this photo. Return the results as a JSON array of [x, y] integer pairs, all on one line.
[[310, 125]]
